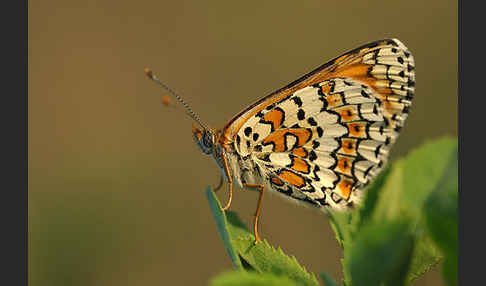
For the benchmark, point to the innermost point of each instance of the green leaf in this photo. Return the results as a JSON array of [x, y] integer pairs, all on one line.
[[428, 165], [266, 259], [261, 257], [236, 227], [423, 169], [425, 257], [242, 278], [328, 281], [442, 221], [340, 224], [370, 200], [411, 180], [222, 225], [390, 204], [380, 254]]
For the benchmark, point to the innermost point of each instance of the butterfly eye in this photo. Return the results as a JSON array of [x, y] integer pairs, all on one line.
[[208, 139]]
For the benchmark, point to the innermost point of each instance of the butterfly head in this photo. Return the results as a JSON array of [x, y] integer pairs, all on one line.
[[205, 139]]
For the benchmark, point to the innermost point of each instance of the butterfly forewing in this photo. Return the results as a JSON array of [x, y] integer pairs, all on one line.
[[324, 137]]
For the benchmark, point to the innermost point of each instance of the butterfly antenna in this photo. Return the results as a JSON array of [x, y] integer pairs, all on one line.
[[191, 113]]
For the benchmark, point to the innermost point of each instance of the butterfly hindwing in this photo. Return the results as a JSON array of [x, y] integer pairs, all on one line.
[[323, 138]]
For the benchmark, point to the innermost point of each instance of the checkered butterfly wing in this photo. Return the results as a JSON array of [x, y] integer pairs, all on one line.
[[324, 137]]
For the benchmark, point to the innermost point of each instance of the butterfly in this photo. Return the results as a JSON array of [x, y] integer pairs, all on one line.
[[321, 139]]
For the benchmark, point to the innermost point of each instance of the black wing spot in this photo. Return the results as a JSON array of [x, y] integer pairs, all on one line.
[[377, 150], [365, 174], [248, 131], [409, 95], [312, 156], [311, 121], [364, 94], [297, 101], [316, 169], [301, 114]]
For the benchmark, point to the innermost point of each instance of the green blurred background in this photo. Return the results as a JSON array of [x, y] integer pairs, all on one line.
[[116, 183]]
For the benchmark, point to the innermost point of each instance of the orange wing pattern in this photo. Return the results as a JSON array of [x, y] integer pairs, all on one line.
[[324, 137]]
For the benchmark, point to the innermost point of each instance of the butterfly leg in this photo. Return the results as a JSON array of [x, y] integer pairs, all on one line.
[[230, 180], [258, 210], [220, 184]]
